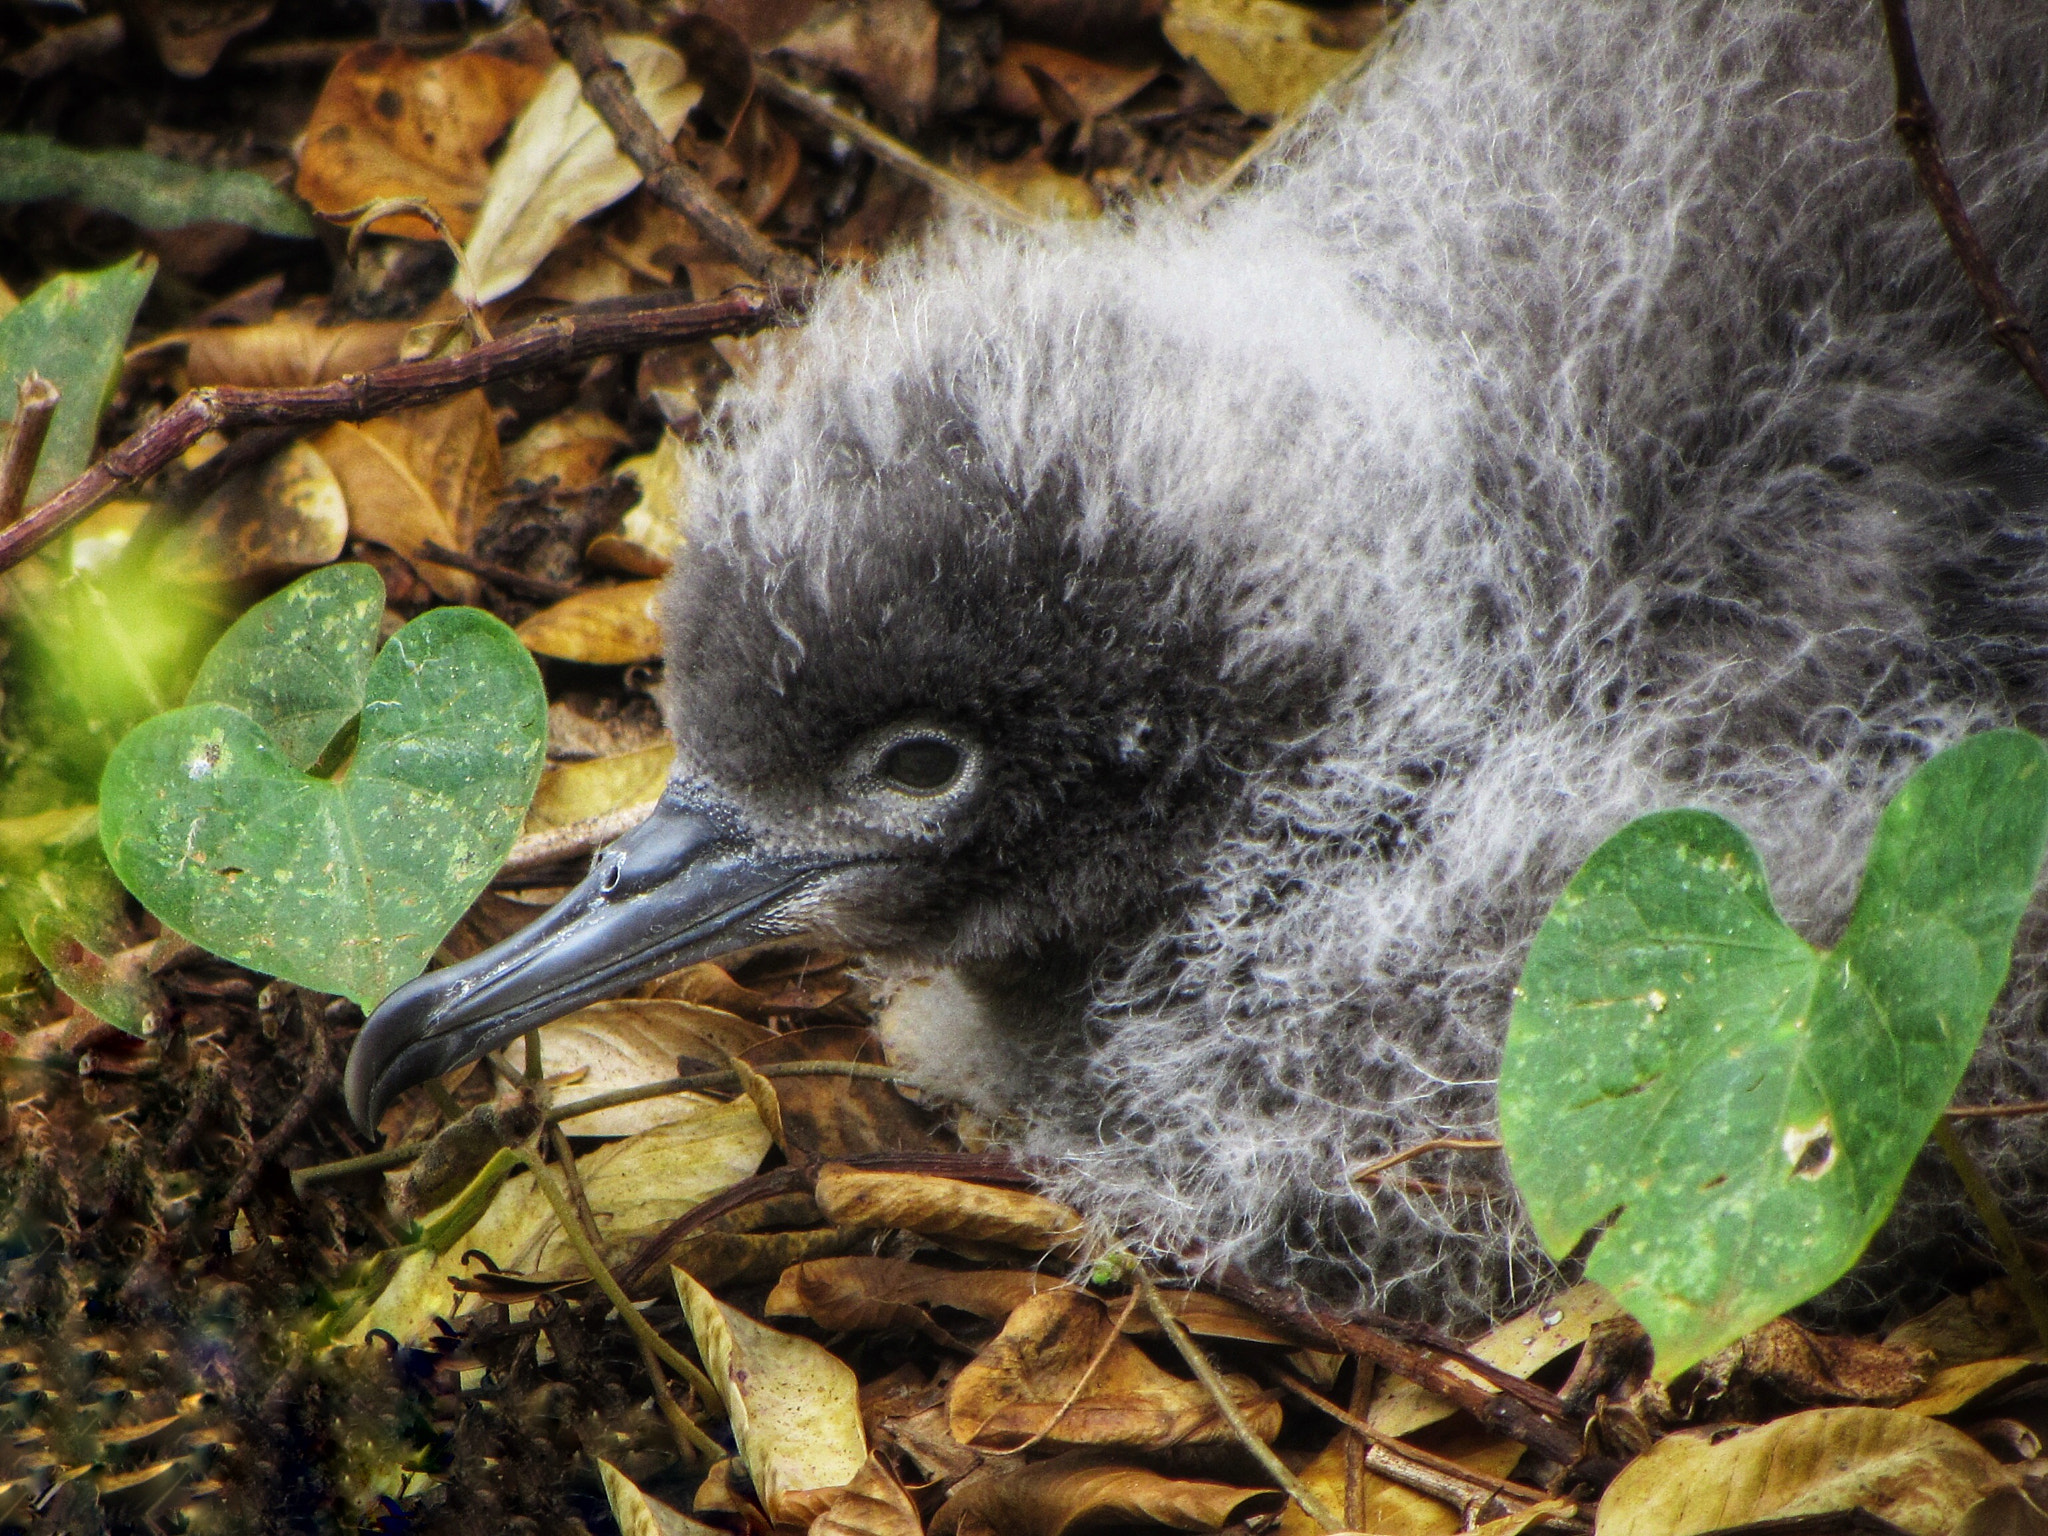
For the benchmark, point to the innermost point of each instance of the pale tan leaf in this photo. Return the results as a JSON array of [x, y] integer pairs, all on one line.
[[1955, 1388], [945, 1208], [388, 124], [636, 1514], [1061, 1371], [606, 626], [793, 1406], [1263, 53], [1082, 1490], [293, 348], [625, 1043], [283, 516], [1390, 1509], [561, 164], [578, 791], [1916, 1472], [873, 1504], [571, 446], [663, 476], [1987, 1323], [890, 48], [1520, 1346], [1032, 184], [875, 1294]]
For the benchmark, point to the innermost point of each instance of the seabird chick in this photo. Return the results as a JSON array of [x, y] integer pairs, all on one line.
[[1209, 641]]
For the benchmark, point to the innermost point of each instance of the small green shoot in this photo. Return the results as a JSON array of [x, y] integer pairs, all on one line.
[[251, 823], [1738, 1107]]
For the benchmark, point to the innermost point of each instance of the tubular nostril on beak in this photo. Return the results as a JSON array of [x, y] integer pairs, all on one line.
[[610, 882]]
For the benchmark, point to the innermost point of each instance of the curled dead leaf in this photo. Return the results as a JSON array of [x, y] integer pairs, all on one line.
[[580, 790], [1918, 1473], [1080, 1489], [1265, 54], [945, 1208], [605, 626], [722, 1259], [1085, 87], [287, 515], [293, 348], [830, 1116], [873, 1294], [873, 1504], [1060, 1370], [888, 48], [794, 1407], [636, 1514], [571, 446], [627, 1042]]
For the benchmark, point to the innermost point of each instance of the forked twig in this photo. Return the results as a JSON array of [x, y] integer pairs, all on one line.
[[551, 341], [35, 404], [1919, 129]]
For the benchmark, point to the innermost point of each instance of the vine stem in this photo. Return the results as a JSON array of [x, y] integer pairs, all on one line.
[[2003, 1238]]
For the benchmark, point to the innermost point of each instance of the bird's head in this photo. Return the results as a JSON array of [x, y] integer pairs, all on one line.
[[943, 689]]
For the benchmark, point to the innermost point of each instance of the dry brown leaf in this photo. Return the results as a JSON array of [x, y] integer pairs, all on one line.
[[1521, 1346], [625, 1043], [712, 986], [949, 1209], [419, 476], [573, 446], [1032, 184], [561, 163], [1090, 87], [1265, 54], [1389, 1509], [293, 348], [1957, 1387], [873, 1504], [580, 790], [282, 516], [388, 124], [869, 1294], [1081, 1490], [1818, 1369], [887, 48], [1017, 1388], [2003, 1512], [636, 1514], [1987, 1323], [605, 626], [1918, 1473], [828, 1117], [793, 1406], [1213, 1317], [191, 35], [720, 1259]]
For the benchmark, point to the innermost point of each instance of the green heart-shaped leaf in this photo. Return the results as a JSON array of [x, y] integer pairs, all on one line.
[[1750, 1105], [345, 884]]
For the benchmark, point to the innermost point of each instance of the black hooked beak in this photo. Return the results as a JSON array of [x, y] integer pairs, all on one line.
[[682, 886]]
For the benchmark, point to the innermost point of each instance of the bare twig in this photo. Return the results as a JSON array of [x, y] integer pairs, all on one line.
[[1378, 1166], [321, 1076], [504, 578], [1985, 1201], [1219, 1391], [1996, 1111], [551, 341], [579, 38], [1919, 129], [1486, 1498], [1356, 1446], [35, 403], [890, 150]]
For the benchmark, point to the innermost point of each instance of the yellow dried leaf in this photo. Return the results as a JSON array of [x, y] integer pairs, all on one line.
[[651, 522], [944, 1208], [1060, 1370], [1032, 184], [388, 124], [625, 1043], [1520, 1346], [1916, 1472], [578, 791], [873, 1294], [1954, 1389], [1987, 1323], [573, 446], [719, 1259], [636, 1514], [1263, 53], [283, 516], [561, 163], [794, 1407], [873, 1504], [1389, 1509], [293, 348], [606, 626]]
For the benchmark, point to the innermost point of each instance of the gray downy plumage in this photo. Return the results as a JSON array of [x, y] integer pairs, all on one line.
[[1587, 418], [1205, 643]]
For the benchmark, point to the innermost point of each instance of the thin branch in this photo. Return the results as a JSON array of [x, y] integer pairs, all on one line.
[[1486, 1498], [320, 1077], [1996, 1111], [551, 341], [892, 151], [1919, 129], [1378, 1166], [1219, 1390], [504, 578], [35, 404], [1985, 1201], [579, 38]]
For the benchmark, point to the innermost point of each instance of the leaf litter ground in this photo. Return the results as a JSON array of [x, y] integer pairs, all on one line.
[[209, 1321]]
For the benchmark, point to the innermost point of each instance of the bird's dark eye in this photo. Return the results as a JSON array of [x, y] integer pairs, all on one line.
[[922, 765]]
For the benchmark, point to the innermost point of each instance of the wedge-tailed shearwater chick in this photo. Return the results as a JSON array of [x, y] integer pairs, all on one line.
[[1211, 640]]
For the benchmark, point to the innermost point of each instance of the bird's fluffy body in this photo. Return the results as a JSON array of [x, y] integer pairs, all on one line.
[[1586, 418]]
